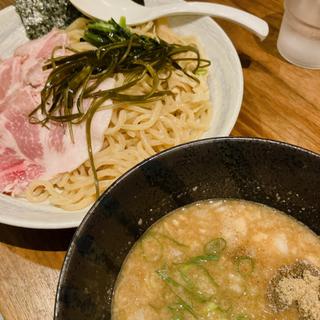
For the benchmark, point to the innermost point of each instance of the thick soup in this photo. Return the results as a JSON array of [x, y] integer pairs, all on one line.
[[221, 259]]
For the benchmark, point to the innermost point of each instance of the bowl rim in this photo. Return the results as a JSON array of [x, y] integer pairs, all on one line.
[[74, 218], [256, 140]]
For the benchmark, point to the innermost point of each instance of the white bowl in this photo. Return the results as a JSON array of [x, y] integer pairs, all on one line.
[[226, 90]]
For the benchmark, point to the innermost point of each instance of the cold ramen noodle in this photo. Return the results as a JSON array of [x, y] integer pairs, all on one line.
[[221, 259], [81, 106]]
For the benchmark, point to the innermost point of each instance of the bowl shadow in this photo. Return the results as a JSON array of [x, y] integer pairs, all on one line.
[[36, 239]]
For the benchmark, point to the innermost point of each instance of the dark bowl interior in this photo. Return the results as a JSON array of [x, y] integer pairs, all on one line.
[[273, 173]]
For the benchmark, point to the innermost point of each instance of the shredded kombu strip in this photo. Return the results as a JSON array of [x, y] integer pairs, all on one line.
[[40, 16]]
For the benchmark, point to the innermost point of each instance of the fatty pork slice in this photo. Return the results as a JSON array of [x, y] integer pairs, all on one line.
[[42, 48], [15, 170], [10, 78], [59, 153], [30, 151]]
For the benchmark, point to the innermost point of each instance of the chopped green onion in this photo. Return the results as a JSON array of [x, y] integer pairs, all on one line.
[[191, 280], [245, 265], [214, 311], [171, 239], [211, 306], [204, 259], [215, 246], [163, 274], [183, 305], [173, 284], [177, 311], [156, 252]]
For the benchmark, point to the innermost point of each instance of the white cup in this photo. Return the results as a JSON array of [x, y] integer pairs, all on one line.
[[299, 36]]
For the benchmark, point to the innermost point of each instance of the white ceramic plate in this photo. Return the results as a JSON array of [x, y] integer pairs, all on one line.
[[226, 89]]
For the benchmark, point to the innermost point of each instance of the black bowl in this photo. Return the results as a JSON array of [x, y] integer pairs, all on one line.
[[276, 174]]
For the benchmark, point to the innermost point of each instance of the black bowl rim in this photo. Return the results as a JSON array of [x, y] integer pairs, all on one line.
[[81, 227]]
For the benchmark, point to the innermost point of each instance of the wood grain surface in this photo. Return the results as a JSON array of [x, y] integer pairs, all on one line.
[[281, 101]]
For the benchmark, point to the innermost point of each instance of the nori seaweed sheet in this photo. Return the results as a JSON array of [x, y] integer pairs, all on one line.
[[40, 16]]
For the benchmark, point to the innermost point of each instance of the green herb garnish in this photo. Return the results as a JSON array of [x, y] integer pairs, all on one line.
[[192, 274], [215, 246], [204, 259], [245, 265]]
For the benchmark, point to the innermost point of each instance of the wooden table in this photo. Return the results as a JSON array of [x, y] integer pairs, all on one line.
[[281, 101]]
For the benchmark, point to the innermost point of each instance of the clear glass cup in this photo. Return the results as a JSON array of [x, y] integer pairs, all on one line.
[[299, 36]]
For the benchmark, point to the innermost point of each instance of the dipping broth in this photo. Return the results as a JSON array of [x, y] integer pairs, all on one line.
[[213, 260]]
